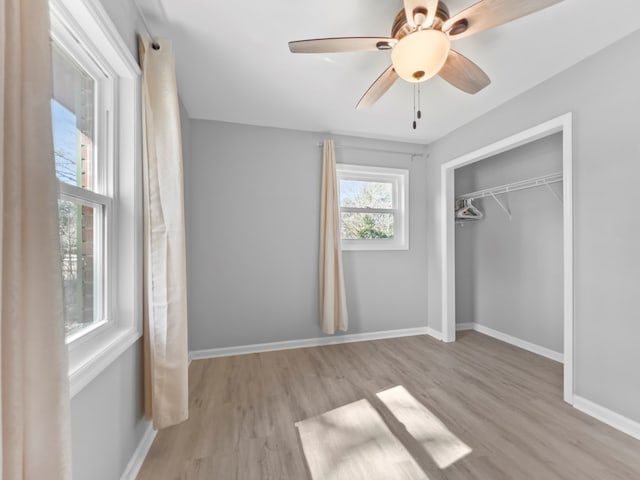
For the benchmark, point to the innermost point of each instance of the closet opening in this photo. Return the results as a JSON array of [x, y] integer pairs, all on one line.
[[497, 194]]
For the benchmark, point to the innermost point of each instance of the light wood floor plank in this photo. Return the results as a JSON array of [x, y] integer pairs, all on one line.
[[503, 402]]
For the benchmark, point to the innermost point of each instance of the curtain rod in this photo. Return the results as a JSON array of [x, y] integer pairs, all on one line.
[[377, 150], [155, 45]]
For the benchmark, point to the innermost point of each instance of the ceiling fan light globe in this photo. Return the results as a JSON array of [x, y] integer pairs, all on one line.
[[420, 55]]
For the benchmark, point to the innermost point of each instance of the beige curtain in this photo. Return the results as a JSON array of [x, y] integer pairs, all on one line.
[[333, 302], [34, 400], [165, 316]]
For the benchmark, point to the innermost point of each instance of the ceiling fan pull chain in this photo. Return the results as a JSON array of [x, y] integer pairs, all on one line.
[[414, 107], [419, 110]]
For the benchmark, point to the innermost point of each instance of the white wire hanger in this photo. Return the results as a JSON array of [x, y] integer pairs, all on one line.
[[468, 211]]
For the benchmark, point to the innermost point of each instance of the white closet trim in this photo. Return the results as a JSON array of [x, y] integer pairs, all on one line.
[[562, 124]]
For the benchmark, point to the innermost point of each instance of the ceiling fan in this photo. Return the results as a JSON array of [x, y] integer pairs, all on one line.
[[420, 43]]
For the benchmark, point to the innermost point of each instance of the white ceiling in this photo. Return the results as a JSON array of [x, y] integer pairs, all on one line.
[[233, 63]]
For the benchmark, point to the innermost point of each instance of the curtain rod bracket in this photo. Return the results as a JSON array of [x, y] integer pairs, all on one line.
[[154, 43]]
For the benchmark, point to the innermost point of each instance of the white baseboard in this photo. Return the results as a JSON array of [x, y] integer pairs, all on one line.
[[311, 342], [465, 326], [434, 333], [611, 418], [134, 465], [531, 347]]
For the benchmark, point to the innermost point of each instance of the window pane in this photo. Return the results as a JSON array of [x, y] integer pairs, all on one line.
[[77, 226], [72, 112], [366, 225], [356, 193]]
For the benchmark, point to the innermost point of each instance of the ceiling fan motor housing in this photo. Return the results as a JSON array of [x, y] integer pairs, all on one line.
[[401, 28]]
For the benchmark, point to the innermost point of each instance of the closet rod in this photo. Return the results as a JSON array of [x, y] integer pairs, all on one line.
[[377, 150], [514, 187]]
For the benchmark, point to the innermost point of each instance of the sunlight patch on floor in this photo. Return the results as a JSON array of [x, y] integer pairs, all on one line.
[[353, 443], [434, 437]]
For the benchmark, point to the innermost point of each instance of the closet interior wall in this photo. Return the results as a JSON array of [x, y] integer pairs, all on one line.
[[509, 272]]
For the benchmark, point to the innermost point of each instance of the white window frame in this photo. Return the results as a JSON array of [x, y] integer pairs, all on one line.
[[100, 196], [399, 179], [83, 29]]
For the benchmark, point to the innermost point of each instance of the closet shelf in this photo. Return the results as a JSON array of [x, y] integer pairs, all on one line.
[[514, 187]]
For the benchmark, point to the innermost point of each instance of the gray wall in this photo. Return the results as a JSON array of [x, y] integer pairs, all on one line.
[[603, 94], [107, 421], [253, 239], [509, 272]]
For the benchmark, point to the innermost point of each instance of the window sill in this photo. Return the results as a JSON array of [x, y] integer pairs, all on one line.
[[105, 349], [372, 245]]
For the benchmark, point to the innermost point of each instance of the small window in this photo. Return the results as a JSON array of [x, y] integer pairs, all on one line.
[[373, 207]]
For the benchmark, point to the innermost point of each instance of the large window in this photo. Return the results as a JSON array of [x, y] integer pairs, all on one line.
[[82, 166], [373, 207], [95, 112]]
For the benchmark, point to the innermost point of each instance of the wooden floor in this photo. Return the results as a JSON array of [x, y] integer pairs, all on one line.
[[503, 402]]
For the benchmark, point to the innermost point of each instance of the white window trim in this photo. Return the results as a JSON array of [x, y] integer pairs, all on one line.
[[87, 23], [399, 177]]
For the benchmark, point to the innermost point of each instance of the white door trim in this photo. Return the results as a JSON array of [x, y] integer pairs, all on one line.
[[562, 124]]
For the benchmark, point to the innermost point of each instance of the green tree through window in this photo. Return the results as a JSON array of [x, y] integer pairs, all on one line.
[[369, 229], [357, 194]]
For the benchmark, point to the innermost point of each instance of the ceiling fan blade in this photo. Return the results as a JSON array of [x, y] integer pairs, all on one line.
[[342, 44], [420, 12], [488, 14], [432, 8], [378, 88], [462, 73]]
